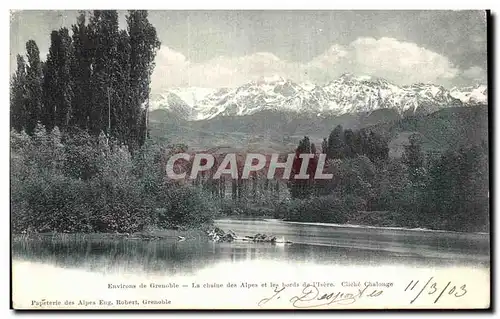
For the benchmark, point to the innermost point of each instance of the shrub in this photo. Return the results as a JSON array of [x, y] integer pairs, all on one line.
[[94, 185], [186, 206], [49, 202], [327, 209]]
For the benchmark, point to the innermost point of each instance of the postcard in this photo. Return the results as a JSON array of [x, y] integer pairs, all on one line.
[[268, 159]]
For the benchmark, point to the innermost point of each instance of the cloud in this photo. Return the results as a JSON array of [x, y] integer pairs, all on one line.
[[402, 62], [329, 58], [169, 57], [172, 69], [398, 61], [475, 73]]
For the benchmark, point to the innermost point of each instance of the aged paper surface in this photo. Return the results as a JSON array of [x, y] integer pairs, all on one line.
[[249, 160], [289, 288]]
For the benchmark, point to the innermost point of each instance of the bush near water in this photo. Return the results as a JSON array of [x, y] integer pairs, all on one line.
[[77, 184]]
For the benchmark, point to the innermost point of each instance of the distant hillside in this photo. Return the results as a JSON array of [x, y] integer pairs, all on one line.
[[446, 128], [269, 131]]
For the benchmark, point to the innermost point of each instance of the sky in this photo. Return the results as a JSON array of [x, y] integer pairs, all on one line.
[[230, 48]]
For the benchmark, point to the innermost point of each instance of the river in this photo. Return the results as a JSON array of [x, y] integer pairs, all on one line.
[[316, 249]]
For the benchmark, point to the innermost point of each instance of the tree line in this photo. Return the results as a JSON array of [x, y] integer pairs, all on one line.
[[449, 190], [348, 144], [340, 145], [95, 78]]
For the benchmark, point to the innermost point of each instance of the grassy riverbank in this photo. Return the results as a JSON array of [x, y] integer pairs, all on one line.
[[170, 235]]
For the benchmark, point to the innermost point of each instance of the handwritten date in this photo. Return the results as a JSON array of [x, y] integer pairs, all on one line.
[[435, 288]]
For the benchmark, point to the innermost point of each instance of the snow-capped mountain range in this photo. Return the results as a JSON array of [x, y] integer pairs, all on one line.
[[471, 94], [347, 94]]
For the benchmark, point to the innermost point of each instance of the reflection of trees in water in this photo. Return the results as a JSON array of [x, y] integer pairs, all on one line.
[[189, 257], [139, 256], [124, 255], [239, 252]]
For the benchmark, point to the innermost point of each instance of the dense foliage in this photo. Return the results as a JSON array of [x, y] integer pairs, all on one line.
[[449, 191], [78, 183]]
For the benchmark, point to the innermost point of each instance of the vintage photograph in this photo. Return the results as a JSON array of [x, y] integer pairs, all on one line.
[[270, 159]]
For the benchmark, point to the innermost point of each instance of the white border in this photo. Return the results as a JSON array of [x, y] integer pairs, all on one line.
[[256, 4], [190, 4]]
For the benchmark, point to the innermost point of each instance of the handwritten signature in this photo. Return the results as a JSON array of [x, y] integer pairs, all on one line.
[[310, 297]]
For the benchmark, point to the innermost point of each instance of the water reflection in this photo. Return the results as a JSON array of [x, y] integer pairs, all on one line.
[[160, 257], [314, 244], [319, 253]]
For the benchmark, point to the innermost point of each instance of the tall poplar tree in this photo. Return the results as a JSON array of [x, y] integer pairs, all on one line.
[[336, 143], [18, 96], [57, 84], [122, 94], [81, 72], [144, 44], [103, 33], [33, 86]]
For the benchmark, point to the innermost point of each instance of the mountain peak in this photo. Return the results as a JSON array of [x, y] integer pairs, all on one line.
[[476, 94], [347, 94], [275, 78], [357, 79]]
